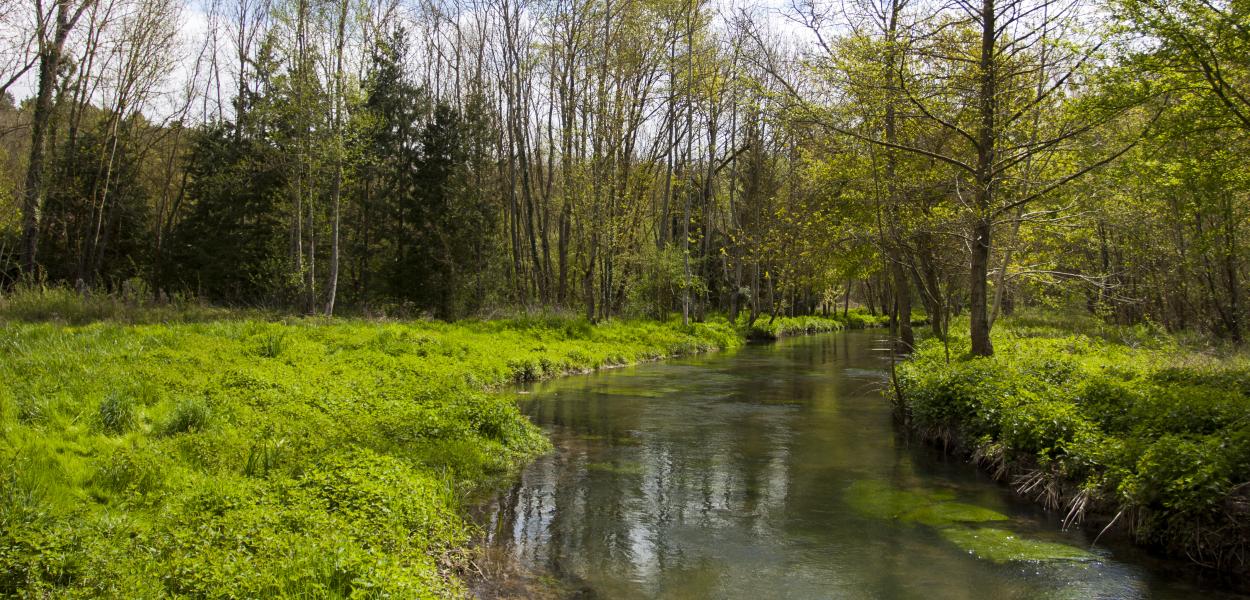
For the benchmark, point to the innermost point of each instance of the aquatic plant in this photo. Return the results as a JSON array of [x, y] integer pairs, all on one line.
[[1000, 546], [936, 508]]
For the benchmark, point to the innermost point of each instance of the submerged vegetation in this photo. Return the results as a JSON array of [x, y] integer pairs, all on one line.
[[1125, 425], [244, 458], [957, 522]]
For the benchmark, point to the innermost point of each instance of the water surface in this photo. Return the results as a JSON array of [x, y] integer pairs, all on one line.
[[776, 472]]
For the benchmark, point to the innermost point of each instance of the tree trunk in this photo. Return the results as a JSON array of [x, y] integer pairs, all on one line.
[[32, 199], [902, 295], [979, 329], [337, 183], [977, 313]]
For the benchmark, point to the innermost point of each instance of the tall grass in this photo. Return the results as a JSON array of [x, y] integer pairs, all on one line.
[[765, 328], [34, 303]]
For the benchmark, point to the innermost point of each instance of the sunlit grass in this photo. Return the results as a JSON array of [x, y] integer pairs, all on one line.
[[247, 458]]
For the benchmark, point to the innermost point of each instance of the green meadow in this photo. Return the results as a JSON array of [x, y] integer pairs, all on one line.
[[200, 453], [254, 459]]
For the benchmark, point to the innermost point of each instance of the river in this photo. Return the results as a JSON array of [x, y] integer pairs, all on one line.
[[776, 471]]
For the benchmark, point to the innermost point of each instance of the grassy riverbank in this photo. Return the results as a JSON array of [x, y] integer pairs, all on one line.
[[1123, 424], [242, 458], [196, 452], [774, 329]]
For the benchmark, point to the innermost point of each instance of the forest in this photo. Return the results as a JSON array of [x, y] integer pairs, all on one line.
[[228, 227], [635, 159]]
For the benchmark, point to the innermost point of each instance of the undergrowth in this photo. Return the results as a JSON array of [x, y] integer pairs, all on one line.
[[1127, 424]]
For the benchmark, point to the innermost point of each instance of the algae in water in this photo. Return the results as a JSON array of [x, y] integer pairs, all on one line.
[[935, 508], [1000, 546], [949, 513]]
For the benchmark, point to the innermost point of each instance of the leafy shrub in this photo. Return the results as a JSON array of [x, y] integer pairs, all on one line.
[[1044, 428], [1108, 401]]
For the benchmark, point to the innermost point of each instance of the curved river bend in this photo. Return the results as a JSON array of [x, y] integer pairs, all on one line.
[[777, 472]]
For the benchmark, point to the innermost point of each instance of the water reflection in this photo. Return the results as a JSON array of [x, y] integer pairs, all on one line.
[[727, 477]]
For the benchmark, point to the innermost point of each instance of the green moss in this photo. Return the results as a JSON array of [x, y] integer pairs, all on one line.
[[947, 513], [878, 499], [1000, 546]]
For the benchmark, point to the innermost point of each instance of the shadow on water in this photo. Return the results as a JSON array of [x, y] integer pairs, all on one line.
[[772, 472]]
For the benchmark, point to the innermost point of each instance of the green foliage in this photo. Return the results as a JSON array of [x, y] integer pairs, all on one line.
[[231, 246], [131, 471], [779, 327], [189, 416], [39, 304], [244, 458], [1128, 417]]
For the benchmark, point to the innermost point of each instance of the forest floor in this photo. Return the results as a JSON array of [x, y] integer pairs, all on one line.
[[205, 453], [1123, 426]]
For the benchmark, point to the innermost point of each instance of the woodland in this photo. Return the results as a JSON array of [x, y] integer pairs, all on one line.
[[633, 158]]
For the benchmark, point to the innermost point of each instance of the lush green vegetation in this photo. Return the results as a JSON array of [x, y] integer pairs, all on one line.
[[1126, 424], [779, 327], [251, 458]]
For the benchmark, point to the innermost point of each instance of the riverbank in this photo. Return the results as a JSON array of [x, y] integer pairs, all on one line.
[[239, 457], [1126, 428], [774, 329]]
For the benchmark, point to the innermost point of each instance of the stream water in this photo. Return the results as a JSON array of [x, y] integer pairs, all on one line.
[[776, 471]]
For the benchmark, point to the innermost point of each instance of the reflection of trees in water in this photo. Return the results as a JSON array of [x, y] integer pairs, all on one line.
[[727, 479], [706, 464]]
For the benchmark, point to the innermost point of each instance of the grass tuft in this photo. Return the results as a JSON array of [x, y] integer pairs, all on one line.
[[189, 416], [117, 414]]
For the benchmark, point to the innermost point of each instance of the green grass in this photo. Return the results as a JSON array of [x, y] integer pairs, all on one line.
[[134, 304], [241, 458], [771, 329], [1107, 420]]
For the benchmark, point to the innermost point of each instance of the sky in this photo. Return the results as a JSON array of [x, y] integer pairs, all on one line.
[[193, 25]]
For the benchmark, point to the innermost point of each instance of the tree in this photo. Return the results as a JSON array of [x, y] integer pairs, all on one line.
[[53, 26]]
